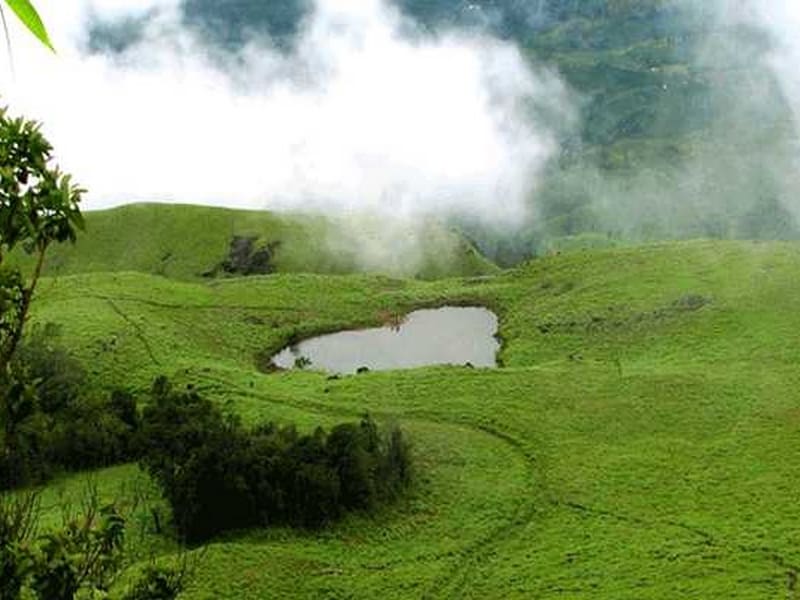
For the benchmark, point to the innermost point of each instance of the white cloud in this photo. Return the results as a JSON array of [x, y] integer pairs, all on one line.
[[357, 118], [782, 19]]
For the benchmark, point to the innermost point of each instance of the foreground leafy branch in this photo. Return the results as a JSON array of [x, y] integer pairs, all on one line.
[[38, 207], [84, 558], [30, 19]]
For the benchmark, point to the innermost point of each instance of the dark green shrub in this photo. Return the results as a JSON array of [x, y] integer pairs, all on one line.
[[198, 457], [11, 571], [88, 435], [395, 471], [353, 455], [218, 476], [17, 519], [25, 439], [123, 405], [83, 556], [59, 378], [157, 583], [50, 421]]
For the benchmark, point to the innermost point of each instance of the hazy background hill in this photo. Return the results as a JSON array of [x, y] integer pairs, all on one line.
[[199, 242]]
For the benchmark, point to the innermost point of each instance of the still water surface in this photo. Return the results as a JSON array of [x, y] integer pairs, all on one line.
[[442, 336]]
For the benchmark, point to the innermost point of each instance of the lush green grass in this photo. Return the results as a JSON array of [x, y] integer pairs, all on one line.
[[641, 440], [184, 242]]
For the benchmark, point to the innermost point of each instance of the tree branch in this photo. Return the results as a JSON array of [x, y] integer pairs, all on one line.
[[27, 297]]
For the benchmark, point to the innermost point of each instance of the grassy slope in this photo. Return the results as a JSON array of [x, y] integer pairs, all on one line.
[[183, 242], [635, 446]]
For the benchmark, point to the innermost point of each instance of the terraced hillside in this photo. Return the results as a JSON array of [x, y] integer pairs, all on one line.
[[640, 440], [191, 242]]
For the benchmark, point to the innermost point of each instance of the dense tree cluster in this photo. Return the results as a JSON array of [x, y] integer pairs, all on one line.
[[49, 419], [218, 475]]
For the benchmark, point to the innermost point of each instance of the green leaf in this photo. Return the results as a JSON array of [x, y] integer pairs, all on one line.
[[31, 19]]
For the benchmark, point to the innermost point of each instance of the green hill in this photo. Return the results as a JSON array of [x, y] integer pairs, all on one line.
[[189, 242], [640, 441]]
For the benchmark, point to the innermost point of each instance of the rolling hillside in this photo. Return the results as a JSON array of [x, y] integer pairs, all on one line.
[[639, 438], [639, 442], [191, 242]]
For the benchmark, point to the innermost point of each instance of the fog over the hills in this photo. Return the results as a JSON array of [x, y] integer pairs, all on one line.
[[782, 20], [362, 114], [735, 175], [368, 111]]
